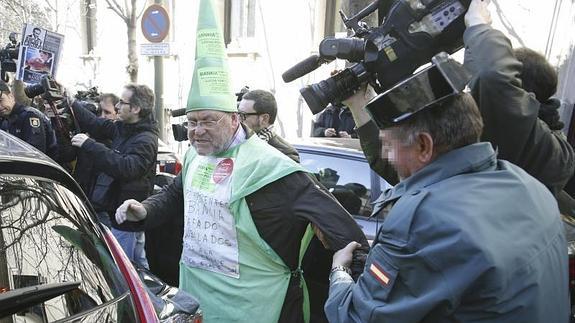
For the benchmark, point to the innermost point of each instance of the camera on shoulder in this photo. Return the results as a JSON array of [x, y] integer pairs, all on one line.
[[410, 34]]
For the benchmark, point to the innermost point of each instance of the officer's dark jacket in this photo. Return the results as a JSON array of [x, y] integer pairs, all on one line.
[[326, 120], [33, 127], [280, 210], [126, 169]]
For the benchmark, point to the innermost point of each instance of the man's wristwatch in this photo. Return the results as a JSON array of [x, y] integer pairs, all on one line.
[[340, 268], [340, 273]]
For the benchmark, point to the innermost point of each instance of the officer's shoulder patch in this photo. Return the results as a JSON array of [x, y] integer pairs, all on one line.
[[379, 274], [35, 122]]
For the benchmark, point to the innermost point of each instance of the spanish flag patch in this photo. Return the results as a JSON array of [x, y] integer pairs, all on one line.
[[379, 274]]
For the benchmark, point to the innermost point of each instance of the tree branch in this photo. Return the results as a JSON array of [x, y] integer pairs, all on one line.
[[50, 6], [507, 24], [144, 8], [113, 5]]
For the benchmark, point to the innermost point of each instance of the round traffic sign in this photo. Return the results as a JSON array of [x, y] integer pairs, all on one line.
[[155, 23]]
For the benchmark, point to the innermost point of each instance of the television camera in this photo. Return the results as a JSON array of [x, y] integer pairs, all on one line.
[[57, 105], [411, 32]]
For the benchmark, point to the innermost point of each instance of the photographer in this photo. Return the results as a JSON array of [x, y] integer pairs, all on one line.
[[26, 123], [335, 121], [444, 252], [125, 169]]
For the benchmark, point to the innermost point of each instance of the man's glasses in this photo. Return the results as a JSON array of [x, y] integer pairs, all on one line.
[[245, 115], [121, 103], [208, 125]]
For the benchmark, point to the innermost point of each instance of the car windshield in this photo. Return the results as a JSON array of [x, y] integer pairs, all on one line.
[[47, 241], [346, 178]]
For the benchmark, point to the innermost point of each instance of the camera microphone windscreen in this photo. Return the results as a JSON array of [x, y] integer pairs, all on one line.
[[178, 112], [302, 68]]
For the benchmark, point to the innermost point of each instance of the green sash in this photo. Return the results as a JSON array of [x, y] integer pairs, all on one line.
[[257, 295]]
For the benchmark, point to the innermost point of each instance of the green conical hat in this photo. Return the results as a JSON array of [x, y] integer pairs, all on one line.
[[210, 89]]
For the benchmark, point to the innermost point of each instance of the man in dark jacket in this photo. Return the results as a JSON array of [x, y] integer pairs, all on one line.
[[26, 123], [127, 168], [258, 110], [513, 123], [334, 121]]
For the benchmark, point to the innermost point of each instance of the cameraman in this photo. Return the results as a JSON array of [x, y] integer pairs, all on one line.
[[515, 121], [26, 123], [126, 169]]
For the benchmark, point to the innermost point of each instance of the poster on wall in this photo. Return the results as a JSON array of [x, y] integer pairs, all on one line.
[[39, 54]]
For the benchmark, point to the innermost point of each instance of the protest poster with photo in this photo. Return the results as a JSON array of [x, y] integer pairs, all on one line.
[[39, 54]]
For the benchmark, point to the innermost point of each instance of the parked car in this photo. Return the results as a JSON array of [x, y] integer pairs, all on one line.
[[58, 263], [340, 165], [167, 160]]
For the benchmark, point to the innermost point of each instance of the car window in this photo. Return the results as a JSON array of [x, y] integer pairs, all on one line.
[[47, 246], [347, 179]]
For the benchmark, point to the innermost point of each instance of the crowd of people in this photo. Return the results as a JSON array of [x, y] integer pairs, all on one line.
[[472, 227]]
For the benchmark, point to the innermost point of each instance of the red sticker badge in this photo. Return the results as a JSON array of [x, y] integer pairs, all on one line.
[[223, 170]]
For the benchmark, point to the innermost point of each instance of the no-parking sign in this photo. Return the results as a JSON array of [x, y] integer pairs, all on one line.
[[155, 23]]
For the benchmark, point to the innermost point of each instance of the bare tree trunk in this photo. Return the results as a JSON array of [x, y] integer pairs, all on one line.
[[128, 13], [132, 67]]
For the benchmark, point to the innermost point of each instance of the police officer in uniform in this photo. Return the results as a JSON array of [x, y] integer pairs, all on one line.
[[456, 245], [26, 123]]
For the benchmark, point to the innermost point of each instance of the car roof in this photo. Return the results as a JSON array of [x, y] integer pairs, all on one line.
[[346, 146], [19, 157]]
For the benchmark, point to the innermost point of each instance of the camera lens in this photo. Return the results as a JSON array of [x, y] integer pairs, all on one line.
[[318, 96], [334, 89]]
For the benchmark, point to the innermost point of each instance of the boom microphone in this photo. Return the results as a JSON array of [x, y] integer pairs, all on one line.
[[302, 68], [178, 112]]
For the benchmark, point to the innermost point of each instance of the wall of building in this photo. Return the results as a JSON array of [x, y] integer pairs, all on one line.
[[285, 33]]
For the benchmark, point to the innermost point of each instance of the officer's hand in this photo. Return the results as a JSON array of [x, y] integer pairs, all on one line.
[[79, 139], [478, 13], [329, 132], [130, 210], [343, 257]]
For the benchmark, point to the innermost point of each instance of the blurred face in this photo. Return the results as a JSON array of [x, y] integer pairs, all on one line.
[[127, 112], [250, 117], [6, 104], [403, 158], [108, 111], [210, 132], [36, 33]]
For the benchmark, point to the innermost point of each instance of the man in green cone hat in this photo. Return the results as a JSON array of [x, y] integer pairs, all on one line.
[[249, 212]]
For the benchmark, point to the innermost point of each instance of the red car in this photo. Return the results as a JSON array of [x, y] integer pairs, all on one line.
[[57, 263]]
